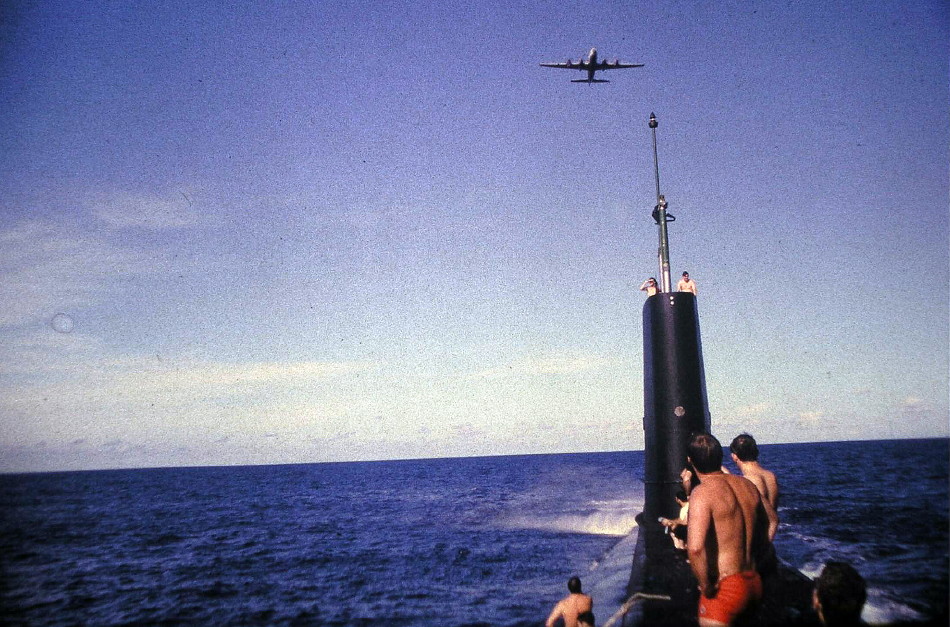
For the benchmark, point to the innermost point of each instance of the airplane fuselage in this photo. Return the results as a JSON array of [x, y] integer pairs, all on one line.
[[591, 65]]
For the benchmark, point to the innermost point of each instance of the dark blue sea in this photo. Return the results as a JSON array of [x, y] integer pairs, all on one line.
[[448, 542]]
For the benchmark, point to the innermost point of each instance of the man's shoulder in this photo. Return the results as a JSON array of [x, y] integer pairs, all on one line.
[[712, 489], [748, 483], [749, 480]]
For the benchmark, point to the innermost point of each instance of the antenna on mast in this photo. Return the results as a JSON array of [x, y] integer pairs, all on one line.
[[661, 218]]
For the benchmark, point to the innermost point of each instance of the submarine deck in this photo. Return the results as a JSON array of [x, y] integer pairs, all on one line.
[[786, 594]]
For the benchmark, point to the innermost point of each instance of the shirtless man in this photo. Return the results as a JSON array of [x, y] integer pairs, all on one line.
[[686, 284], [571, 606], [727, 529], [745, 453]]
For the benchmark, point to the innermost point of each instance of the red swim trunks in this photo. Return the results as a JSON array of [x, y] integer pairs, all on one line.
[[736, 593]]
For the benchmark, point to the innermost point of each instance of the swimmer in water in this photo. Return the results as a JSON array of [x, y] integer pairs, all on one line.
[[572, 607]]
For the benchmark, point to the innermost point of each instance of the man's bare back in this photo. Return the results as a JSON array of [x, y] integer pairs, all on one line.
[[722, 519], [763, 479], [745, 453], [729, 524], [571, 606]]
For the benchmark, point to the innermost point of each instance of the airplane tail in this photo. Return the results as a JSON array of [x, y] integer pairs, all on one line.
[[589, 80]]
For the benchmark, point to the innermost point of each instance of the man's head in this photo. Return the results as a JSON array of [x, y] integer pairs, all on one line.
[[686, 275], [745, 448], [574, 585], [840, 593], [705, 453]]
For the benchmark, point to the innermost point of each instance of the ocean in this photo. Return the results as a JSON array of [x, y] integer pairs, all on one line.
[[442, 542]]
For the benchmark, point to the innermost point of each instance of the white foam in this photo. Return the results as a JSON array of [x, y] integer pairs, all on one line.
[[602, 523], [607, 580], [879, 610]]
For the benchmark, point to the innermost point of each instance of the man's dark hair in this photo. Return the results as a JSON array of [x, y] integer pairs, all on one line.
[[745, 448], [586, 618], [705, 451], [574, 585], [842, 592]]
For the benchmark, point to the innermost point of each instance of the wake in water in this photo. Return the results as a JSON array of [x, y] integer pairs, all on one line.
[[604, 519]]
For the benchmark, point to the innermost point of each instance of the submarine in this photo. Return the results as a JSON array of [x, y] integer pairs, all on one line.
[[662, 589]]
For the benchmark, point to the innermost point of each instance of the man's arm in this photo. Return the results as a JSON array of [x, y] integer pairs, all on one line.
[[556, 613], [773, 518], [772, 483], [700, 518], [762, 533]]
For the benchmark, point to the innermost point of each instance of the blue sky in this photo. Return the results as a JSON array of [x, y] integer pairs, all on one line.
[[302, 232]]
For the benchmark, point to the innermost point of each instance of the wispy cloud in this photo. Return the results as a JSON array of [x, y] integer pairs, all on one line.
[[912, 402], [810, 417], [140, 399], [172, 378], [46, 267], [752, 411], [128, 211], [559, 365]]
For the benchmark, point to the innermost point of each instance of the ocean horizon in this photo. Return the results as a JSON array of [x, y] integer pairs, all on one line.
[[440, 541], [411, 459]]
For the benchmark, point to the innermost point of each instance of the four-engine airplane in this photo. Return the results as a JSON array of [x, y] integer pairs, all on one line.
[[591, 65]]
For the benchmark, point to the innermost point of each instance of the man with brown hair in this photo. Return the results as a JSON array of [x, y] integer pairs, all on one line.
[[745, 453], [839, 596], [572, 607], [728, 527]]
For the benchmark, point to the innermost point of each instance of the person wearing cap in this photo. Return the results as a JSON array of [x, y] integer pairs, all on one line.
[[686, 284]]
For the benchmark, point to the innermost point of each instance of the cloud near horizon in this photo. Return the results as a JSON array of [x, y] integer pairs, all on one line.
[[553, 365]]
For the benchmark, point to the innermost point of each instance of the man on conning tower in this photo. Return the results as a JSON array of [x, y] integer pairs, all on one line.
[[728, 527]]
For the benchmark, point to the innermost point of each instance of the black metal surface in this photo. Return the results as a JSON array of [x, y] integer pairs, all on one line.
[[674, 401]]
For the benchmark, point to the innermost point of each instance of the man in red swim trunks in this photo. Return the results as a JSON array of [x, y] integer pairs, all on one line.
[[728, 526]]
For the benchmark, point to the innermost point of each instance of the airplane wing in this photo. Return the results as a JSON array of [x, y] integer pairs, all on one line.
[[616, 65], [570, 65]]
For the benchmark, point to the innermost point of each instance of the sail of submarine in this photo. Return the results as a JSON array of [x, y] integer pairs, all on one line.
[[675, 405]]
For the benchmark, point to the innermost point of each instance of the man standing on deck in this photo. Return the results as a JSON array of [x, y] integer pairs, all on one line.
[[727, 528], [686, 284], [745, 454], [572, 606]]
